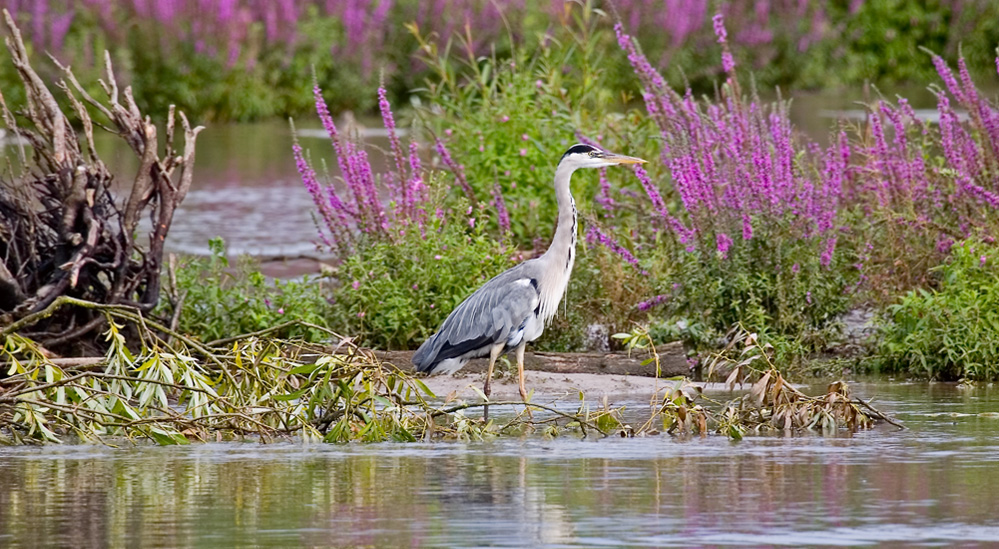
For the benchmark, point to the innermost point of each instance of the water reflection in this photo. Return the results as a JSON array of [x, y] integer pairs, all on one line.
[[932, 484]]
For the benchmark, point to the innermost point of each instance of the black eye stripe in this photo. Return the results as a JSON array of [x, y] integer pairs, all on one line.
[[581, 149]]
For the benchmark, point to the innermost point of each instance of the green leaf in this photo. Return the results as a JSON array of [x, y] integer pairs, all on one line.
[[304, 369], [291, 396], [167, 438]]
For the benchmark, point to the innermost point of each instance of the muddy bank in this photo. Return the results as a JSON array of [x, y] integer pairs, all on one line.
[[552, 376], [549, 386], [672, 362]]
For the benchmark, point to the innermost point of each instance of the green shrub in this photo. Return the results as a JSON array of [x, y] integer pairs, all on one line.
[[222, 301], [950, 331], [508, 120], [393, 295]]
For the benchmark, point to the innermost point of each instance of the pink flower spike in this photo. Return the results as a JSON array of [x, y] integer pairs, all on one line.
[[355, 284], [981, 260], [724, 242], [719, 23]]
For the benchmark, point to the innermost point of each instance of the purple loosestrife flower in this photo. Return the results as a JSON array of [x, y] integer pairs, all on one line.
[[724, 243], [388, 120], [827, 254], [324, 117], [654, 301], [982, 114], [719, 24], [948, 77], [684, 235], [456, 169], [747, 227], [330, 218], [728, 63], [882, 163], [501, 211], [595, 235], [650, 78], [605, 199]]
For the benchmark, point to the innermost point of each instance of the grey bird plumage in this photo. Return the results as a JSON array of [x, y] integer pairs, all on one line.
[[513, 308]]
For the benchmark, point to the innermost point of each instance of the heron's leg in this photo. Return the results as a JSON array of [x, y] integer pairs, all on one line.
[[520, 375], [494, 354], [520, 369]]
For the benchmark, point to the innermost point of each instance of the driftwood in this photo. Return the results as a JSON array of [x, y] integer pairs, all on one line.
[[62, 230], [672, 362]]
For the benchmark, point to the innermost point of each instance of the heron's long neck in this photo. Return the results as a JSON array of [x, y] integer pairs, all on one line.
[[562, 253]]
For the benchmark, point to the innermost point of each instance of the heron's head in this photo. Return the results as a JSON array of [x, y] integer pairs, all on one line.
[[586, 156]]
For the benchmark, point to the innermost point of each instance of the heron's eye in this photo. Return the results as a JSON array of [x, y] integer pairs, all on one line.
[[593, 153]]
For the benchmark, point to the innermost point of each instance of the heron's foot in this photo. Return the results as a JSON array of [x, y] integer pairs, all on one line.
[[527, 399]]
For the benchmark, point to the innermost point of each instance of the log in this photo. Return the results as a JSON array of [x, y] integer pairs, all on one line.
[[672, 361]]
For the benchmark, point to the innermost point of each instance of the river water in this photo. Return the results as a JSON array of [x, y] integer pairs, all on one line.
[[933, 484]]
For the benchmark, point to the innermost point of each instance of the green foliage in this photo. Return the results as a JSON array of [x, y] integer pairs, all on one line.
[[273, 85], [179, 392], [603, 291], [222, 301], [509, 119], [773, 283], [172, 394], [393, 295], [878, 43], [951, 331]]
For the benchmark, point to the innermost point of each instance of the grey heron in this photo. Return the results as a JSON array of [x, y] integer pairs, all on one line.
[[513, 308]]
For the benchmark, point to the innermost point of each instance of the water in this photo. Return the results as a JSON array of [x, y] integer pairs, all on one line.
[[246, 189], [931, 485]]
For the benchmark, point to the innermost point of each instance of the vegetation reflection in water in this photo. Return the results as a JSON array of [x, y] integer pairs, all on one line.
[[931, 483]]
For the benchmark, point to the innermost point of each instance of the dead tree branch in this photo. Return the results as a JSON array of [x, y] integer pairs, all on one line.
[[63, 232]]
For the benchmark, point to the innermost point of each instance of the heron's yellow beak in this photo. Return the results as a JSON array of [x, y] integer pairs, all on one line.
[[621, 159]]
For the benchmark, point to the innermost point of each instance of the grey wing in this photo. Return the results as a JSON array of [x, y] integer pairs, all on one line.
[[497, 309]]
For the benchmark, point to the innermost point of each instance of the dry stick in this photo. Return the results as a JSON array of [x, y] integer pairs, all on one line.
[[447, 411], [880, 415], [258, 333]]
